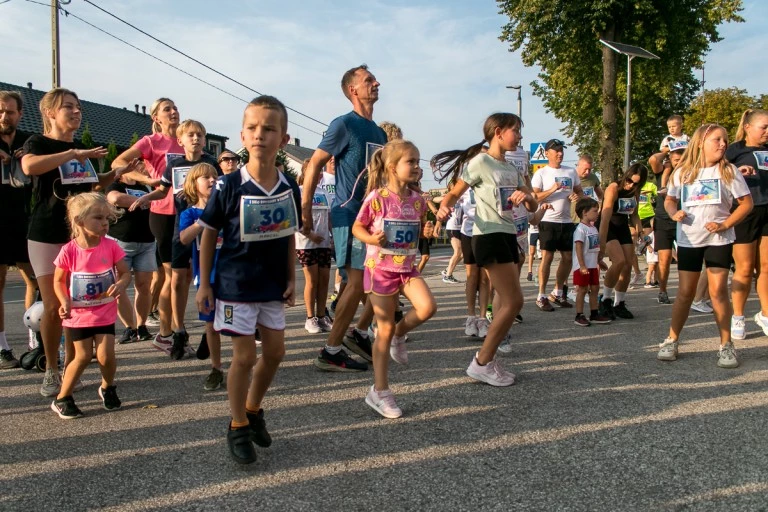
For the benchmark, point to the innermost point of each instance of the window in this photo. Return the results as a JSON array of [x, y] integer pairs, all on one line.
[[214, 146]]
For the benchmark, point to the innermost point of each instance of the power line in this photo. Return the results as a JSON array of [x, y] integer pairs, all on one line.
[[67, 14], [196, 60]]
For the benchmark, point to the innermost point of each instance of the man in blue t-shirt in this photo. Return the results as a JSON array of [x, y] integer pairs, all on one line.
[[351, 140]]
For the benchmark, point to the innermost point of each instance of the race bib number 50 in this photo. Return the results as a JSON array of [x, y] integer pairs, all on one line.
[[89, 289], [402, 236], [267, 218]]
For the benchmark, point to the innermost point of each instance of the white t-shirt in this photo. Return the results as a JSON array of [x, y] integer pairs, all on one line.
[[544, 179], [467, 206], [708, 199], [321, 204], [453, 223], [671, 138], [328, 185], [590, 237]]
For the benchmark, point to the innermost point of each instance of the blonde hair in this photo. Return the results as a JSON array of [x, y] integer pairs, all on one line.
[[53, 100], [156, 127], [392, 130], [187, 125], [748, 117], [202, 169], [384, 159], [81, 205], [691, 162]]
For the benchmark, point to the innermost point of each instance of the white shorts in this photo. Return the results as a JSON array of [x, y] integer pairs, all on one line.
[[651, 257], [241, 318]]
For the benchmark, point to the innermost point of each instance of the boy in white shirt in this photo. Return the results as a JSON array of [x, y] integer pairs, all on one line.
[[586, 274]]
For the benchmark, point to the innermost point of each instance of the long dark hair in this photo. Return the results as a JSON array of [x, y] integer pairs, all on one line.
[[449, 164], [634, 169]]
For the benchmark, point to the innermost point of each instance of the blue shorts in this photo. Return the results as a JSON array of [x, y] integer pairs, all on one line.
[[140, 257], [349, 250]]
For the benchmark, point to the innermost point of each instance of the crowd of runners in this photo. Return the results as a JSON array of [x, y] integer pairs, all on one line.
[[168, 215]]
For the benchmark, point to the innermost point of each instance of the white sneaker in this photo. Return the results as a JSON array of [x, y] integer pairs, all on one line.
[[636, 280], [667, 350], [51, 383], [701, 306], [762, 322], [383, 402], [506, 345], [738, 328], [398, 351], [470, 326], [492, 373], [444, 272], [312, 325], [727, 356], [482, 327]]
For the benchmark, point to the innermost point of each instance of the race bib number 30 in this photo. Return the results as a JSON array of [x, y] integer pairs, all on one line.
[[74, 172], [89, 289], [402, 237], [267, 218]]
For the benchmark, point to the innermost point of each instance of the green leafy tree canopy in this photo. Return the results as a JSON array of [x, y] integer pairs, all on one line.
[[721, 106]]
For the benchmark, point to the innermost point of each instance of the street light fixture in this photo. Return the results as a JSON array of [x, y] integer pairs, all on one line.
[[519, 99], [631, 52]]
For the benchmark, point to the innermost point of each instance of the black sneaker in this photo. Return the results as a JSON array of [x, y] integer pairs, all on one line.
[[128, 336], [109, 398], [581, 320], [203, 352], [179, 342], [340, 362], [259, 434], [143, 333], [518, 319], [530, 276], [66, 408], [240, 446], [359, 344], [663, 298], [606, 309], [621, 311], [7, 361], [213, 380]]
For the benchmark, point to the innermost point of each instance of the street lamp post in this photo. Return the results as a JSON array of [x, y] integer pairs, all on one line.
[[519, 99]]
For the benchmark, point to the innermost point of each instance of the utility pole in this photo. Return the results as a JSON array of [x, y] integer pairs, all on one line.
[[56, 61], [519, 99]]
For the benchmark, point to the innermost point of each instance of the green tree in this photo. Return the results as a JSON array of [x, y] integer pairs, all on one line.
[[111, 155], [721, 106], [282, 159], [134, 139], [87, 138], [580, 78]]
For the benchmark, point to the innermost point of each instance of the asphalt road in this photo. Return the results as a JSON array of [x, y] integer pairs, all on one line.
[[595, 423]]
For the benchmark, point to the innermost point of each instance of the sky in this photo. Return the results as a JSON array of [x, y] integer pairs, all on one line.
[[442, 68]]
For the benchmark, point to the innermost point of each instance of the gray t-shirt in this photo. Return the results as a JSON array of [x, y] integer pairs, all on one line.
[[493, 182]]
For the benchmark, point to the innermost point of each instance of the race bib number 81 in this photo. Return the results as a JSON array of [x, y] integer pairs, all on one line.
[[89, 289], [267, 218]]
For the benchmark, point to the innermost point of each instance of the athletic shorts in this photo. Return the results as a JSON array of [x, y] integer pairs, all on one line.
[[753, 227], [556, 236], [424, 246], [533, 239], [181, 255], [161, 226], [690, 259], [646, 222], [13, 248], [349, 250], [84, 333], [385, 282], [466, 250], [619, 232], [591, 279], [41, 257], [242, 318], [495, 248], [454, 233], [664, 234], [140, 257], [320, 257]]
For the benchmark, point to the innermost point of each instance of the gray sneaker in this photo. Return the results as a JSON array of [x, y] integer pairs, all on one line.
[[663, 298], [7, 361], [213, 380], [727, 356], [667, 350], [51, 383]]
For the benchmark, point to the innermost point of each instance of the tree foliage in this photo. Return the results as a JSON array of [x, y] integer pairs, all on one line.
[[87, 138], [583, 83], [134, 139], [721, 106], [111, 155]]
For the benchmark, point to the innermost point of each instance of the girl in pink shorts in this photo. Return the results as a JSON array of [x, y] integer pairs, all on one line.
[[389, 223]]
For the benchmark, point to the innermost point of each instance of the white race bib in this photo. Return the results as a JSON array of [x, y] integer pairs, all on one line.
[[506, 207], [589, 192], [137, 193], [320, 202], [593, 239], [179, 175], [564, 184], [626, 205], [402, 237], [762, 160], [267, 218], [88, 290], [701, 192], [643, 198], [74, 172]]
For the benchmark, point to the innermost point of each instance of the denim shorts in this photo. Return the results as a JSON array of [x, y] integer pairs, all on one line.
[[140, 257]]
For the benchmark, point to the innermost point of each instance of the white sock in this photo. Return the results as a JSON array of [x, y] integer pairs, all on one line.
[[3, 341], [619, 298], [336, 287], [542, 295], [739, 317], [362, 332], [607, 292], [557, 293], [332, 350]]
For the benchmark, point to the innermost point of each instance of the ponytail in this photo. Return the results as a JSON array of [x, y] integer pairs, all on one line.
[[377, 172], [448, 164]]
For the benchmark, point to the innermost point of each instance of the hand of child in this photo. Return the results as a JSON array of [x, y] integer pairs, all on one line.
[[138, 204], [290, 293], [443, 213], [714, 227], [679, 216], [378, 238], [517, 197], [116, 289], [584, 270], [65, 309], [204, 299], [307, 223], [315, 238]]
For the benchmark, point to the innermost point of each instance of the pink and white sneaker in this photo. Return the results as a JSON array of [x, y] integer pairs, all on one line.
[[163, 344], [398, 351], [491, 373], [383, 402]]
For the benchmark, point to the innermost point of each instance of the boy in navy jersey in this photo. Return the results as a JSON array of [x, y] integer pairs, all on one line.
[[258, 210]]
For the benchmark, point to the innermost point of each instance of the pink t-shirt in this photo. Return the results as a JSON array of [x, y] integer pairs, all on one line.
[[155, 149], [90, 272], [400, 220]]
